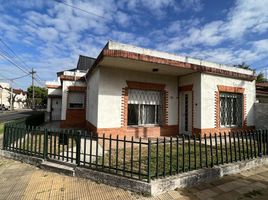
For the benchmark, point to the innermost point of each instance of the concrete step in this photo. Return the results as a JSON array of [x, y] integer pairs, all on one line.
[[58, 168]]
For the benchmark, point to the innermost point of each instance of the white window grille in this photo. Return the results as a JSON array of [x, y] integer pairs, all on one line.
[[231, 109], [144, 107], [76, 100]]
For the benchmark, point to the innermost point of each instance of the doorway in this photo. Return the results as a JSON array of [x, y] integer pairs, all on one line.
[[55, 109], [185, 112]]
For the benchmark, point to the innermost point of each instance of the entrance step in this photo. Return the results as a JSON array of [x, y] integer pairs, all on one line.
[[58, 168]]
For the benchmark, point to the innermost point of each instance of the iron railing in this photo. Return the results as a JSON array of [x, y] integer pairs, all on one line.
[[136, 158]]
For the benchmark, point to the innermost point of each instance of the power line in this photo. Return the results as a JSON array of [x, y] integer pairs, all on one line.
[[16, 55], [12, 79], [72, 6], [13, 63]]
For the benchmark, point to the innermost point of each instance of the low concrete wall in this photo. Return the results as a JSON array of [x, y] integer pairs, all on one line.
[[156, 187], [261, 115], [23, 158]]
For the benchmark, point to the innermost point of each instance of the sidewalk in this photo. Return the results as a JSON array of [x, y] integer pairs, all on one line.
[[23, 181]]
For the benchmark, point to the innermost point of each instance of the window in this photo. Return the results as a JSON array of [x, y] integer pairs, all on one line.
[[231, 109], [76, 100], [144, 107]]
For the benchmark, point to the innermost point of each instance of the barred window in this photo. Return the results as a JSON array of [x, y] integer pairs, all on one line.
[[231, 109], [76, 100], [144, 107]]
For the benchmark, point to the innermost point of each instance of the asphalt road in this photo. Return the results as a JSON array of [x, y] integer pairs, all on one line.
[[12, 115]]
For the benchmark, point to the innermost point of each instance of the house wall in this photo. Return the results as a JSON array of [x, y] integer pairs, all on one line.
[[5, 94], [112, 82], [92, 98], [65, 85], [209, 85]]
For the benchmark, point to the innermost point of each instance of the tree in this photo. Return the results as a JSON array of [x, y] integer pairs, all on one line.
[[13, 99], [40, 95], [260, 76]]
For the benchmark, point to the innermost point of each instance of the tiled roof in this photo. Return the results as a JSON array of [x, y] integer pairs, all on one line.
[[85, 62]]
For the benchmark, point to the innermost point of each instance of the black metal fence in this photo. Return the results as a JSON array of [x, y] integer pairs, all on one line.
[[136, 158]]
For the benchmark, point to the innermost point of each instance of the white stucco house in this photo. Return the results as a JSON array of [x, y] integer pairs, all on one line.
[[139, 92], [19, 96]]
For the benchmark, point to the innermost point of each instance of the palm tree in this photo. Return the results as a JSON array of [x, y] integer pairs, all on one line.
[[260, 76]]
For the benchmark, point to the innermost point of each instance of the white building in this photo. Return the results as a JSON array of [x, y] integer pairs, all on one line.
[[133, 91], [4, 93], [19, 96]]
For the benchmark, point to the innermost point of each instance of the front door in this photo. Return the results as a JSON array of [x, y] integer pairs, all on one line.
[[55, 109], [185, 112]]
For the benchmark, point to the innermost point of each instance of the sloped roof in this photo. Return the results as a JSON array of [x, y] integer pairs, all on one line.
[[85, 62]]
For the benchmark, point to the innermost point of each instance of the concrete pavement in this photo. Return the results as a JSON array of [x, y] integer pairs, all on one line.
[[23, 181]]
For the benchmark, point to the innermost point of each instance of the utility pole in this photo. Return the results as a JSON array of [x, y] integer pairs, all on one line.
[[33, 102]]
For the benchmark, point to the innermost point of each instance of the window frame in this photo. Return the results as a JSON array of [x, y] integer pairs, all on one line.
[[158, 119], [83, 104], [237, 96]]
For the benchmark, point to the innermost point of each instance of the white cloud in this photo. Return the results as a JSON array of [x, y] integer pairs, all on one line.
[[195, 5]]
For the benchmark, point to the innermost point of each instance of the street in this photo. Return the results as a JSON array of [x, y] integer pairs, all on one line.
[[6, 116]]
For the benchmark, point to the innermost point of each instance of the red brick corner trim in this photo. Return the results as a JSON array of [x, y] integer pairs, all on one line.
[[223, 88]]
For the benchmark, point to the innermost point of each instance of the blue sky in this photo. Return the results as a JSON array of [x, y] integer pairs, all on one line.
[[49, 35]]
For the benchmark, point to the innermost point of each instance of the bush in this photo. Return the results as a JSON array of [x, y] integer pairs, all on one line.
[[35, 119]]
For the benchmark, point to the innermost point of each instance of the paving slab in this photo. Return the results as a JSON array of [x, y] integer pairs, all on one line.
[[23, 181]]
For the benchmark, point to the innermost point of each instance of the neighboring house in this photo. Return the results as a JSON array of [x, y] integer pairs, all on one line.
[[262, 92], [66, 96], [20, 99], [19, 96], [4, 94], [139, 92]]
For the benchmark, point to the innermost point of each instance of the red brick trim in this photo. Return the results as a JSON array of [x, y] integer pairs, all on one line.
[[53, 86], [179, 64], [186, 88], [145, 85], [192, 111], [244, 110], [144, 132], [207, 131], [77, 88], [217, 109], [72, 78], [165, 108], [223, 88], [124, 107]]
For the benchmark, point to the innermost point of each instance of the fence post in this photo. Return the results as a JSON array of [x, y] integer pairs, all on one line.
[[45, 144], [78, 148], [4, 137], [149, 161]]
